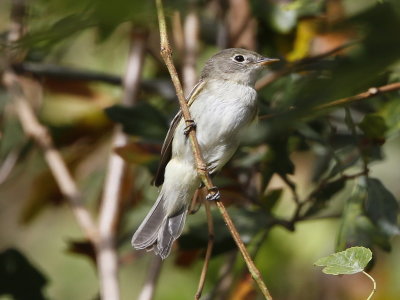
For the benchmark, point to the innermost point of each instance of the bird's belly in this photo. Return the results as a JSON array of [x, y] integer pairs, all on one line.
[[219, 120]]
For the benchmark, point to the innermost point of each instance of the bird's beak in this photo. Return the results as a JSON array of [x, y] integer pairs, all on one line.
[[266, 61]]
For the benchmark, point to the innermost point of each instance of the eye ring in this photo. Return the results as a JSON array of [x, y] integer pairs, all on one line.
[[239, 58]]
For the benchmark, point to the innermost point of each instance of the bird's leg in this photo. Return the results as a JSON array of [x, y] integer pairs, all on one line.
[[190, 124], [213, 194], [196, 203]]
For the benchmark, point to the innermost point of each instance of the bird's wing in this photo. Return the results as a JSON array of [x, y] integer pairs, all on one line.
[[166, 150]]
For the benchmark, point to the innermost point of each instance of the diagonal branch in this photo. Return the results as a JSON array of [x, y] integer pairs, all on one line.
[[166, 53], [371, 92], [58, 168], [39, 133], [149, 287], [209, 250]]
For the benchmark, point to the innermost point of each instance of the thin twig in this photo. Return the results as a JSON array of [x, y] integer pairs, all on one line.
[[166, 53], [255, 273], [149, 286], [374, 285], [8, 164], [107, 257], [57, 165], [225, 278], [191, 41], [371, 92], [177, 32], [210, 246], [292, 187], [44, 71]]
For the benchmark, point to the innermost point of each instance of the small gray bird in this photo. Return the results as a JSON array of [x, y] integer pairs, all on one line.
[[222, 104]]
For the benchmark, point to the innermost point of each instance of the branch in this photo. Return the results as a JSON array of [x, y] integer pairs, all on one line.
[[107, 257], [58, 167], [8, 164], [166, 53], [225, 278], [191, 41], [210, 246], [39, 133], [149, 287], [371, 92], [40, 70]]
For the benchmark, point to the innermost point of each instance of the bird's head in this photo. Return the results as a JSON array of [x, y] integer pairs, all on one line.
[[239, 65]]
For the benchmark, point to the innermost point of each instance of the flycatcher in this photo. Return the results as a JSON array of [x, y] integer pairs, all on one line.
[[222, 104]]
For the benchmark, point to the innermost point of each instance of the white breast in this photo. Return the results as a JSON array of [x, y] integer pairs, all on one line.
[[221, 111]]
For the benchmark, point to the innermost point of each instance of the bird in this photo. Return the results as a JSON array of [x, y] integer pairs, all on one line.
[[222, 105]]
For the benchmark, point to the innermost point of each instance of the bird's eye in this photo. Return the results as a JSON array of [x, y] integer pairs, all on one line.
[[239, 58]]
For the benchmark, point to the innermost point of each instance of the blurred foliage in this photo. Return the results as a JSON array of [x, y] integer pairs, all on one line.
[[300, 163], [19, 278]]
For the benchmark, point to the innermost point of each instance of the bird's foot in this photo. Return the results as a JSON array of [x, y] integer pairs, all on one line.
[[190, 124], [213, 194]]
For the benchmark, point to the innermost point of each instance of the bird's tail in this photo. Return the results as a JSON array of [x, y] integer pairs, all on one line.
[[158, 231]]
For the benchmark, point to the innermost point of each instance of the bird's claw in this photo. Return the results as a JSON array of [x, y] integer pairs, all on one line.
[[213, 194], [190, 124]]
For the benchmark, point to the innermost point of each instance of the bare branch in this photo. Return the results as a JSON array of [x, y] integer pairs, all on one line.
[[242, 25], [40, 134], [42, 70], [225, 279], [149, 287], [8, 164], [107, 257], [371, 92], [191, 38], [177, 31], [210, 246]]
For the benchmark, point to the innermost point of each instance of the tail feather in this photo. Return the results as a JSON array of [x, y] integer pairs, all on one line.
[[147, 233], [170, 231], [158, 231]]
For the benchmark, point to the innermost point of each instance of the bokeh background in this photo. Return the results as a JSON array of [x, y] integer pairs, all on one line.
[[73, 63]]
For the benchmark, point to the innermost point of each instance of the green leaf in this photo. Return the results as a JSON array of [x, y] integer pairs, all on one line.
[[356, 229], [373, 126], [347, 157], [352, 260], [382, 207], [142, 120], [391, 113]]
